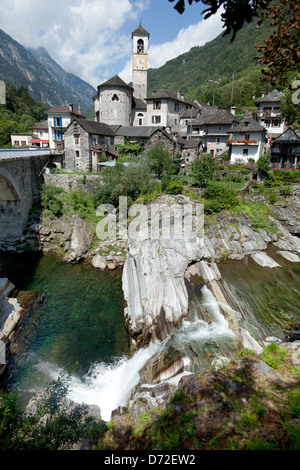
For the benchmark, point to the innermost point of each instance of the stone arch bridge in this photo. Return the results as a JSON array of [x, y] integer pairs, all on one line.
[[21, 174]]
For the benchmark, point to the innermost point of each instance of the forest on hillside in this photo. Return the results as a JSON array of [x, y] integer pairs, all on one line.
[[20, 113], [222, 73]]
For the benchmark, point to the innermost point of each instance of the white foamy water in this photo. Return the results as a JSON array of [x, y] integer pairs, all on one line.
[[107, 385], [201, 330]]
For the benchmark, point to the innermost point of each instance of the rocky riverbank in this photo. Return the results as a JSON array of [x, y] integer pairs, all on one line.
[[155, 270], [14, 308], [249, 402]]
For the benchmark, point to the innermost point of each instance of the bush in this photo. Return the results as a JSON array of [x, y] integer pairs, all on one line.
[[271, 180], [174, 187], [79, 202], [290, 176], [287, 191], [51, 199], [223, 197], [122, 180]]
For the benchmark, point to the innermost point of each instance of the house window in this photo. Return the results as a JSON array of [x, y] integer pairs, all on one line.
[[77, 138], [176, 107], [115, 97], [218, 140], [17, 142], [247, 136], [246, 124], [57, 121], [245, 152], [77, 154], [276, 122], [156, 104], [156, 119], [220, 128], [175, 122]]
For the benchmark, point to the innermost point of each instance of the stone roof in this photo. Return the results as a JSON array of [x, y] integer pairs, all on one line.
[[275, 95], [139, 103], [289, 137], [140, 31], [62, 109], [165, 94], [136, 131], [115, 81], [213, 115], [191, 143], [248, 125], [187, 113], [93, 127], [41, 125]]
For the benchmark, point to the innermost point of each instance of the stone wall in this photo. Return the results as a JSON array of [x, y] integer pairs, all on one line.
[[77, 155], [72, 182], [158, 138]]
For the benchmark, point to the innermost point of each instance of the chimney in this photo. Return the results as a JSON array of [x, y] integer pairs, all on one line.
[[182, 96], [71, 108], [179, 95], [233, 110]]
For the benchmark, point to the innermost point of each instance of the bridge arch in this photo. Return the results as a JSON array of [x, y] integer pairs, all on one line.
[[9, 190]]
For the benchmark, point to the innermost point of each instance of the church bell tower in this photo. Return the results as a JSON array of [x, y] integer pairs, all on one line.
[[140, 38]]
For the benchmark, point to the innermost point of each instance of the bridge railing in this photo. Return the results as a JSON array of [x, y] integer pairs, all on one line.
[[21, 153]]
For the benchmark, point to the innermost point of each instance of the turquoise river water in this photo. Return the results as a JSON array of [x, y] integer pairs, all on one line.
[[80, 322]]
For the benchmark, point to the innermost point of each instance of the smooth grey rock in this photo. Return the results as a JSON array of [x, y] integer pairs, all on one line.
[[99, 262], [289, 256], [264, 260]]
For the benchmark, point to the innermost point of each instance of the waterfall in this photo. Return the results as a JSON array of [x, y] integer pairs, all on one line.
[[109, 385]]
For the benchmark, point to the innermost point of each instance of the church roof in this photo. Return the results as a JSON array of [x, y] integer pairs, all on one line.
[[115, 81], [140, 31]]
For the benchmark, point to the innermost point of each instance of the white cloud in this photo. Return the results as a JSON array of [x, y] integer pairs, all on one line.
[[81, 35], [84, 36], [194, 35]]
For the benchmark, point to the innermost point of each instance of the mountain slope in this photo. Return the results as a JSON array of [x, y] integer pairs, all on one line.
[[79, 89], [217, 60], [19, 67]]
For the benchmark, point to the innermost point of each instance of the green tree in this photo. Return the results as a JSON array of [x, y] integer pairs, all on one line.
[[280, 53], [203, 170], [159, 160], [55, 424], [263, 165], [121, 180]]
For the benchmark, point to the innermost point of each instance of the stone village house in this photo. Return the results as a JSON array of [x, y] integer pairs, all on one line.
[[125, 113], [80, 136]]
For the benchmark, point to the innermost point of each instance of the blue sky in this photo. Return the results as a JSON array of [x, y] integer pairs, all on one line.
[[92, 38]]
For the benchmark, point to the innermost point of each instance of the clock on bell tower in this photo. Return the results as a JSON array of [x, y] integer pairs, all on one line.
[[140, 39]]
